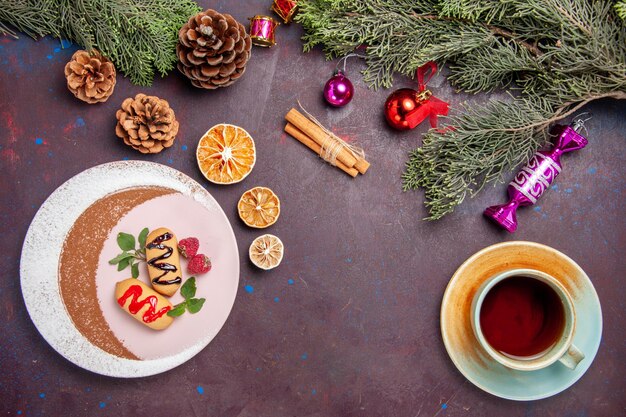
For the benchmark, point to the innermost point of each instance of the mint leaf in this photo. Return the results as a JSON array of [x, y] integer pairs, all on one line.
[[177, 310], [120, 257], [130, 256], [123, 264], [125, 241], [188, 290], [134, 270], [142, 238], [195, 304]]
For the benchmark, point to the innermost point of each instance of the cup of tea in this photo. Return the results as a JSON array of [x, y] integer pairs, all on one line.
[[525, 320]]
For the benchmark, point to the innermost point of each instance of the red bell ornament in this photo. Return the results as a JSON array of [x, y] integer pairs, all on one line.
[[406, 108]]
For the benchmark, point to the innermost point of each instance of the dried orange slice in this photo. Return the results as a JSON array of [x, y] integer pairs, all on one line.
[[266, 251], [259, 207], [226, 154]]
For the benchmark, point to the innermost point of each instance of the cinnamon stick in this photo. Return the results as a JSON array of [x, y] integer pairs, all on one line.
[[320, 137], [361, 165], [315, 147]]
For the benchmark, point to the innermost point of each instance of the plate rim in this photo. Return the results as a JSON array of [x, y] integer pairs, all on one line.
[[186, 186], [445, 299]]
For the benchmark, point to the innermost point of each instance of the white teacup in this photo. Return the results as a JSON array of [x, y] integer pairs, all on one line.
[[561, 350]]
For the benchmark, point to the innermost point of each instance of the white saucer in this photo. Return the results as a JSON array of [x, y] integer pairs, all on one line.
[[470, 358]]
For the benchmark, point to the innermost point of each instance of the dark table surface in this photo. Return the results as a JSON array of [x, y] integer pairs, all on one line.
[[348, 325]]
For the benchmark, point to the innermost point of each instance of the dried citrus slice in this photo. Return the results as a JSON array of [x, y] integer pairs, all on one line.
[[259, 207], [226, 154], [266, 251]]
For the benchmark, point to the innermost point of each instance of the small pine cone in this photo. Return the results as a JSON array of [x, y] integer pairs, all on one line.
[[90, 76], [213, 49], [146, 123]]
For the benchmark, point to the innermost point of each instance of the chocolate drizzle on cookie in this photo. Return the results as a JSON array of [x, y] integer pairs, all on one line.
[[158, 243]]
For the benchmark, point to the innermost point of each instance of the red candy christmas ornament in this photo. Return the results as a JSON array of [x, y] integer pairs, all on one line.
[[406, 108]]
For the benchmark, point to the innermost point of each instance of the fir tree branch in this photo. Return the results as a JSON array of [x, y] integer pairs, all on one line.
[[572, 18], [33, 17], [4, 30], [620, 8], [562, 112], [558, 56], [510, 35], [493, 29], [139, 36]]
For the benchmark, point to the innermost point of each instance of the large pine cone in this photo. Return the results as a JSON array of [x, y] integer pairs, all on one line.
[[146, 123], [90, 76], [213, 49]]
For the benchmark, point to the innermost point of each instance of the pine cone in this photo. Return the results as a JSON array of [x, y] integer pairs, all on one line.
[[90, 76], [213, 49], [146, 123]]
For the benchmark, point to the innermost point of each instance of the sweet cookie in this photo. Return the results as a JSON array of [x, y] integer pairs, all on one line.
[[134, 296], [163, 261]]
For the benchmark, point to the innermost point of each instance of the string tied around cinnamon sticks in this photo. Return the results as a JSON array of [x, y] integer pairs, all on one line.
[[330, 153], [331, 148]]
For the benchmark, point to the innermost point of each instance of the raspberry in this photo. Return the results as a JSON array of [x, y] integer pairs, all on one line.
[[188, 247], [199, 264]]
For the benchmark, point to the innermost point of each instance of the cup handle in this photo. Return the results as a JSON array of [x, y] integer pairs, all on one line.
[[572, 357]]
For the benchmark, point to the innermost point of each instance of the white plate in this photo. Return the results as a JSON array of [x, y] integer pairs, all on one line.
[[471, 359], [189, 207]]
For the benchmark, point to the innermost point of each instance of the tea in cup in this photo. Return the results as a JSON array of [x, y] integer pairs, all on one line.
[[525, 320]]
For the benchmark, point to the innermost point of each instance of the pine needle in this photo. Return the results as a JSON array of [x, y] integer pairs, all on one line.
[[620, 7]]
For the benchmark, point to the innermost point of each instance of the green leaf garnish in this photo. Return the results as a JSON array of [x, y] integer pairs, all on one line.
[[120, 257], [195, 304], [123, 263], [178, 310], [130, 255], [188, 290], [126, 241], [142, 238], [134, 270]]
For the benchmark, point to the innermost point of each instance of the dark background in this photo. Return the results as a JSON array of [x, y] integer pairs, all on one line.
[[356, 330]]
